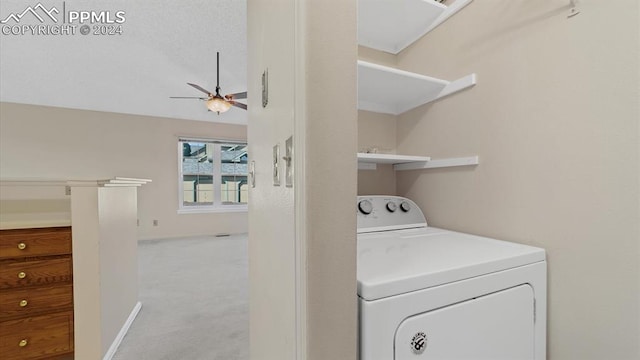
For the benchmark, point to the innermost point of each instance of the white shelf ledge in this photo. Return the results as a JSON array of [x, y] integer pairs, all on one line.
[[392, 25], [439, 163], [390, 158], [368, 161], [32, 182], [387, 90], [116, 181], [113, 182]]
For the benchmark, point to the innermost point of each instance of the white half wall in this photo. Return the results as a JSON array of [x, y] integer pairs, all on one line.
[[105, 265], [118, 259], [58, 143]]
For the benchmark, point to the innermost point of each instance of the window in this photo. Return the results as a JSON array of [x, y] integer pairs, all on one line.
[[213, 175]]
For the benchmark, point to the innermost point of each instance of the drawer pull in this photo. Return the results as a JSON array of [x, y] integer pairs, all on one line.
[[22, 246], [22, 275], [23, 303], [23, 343]]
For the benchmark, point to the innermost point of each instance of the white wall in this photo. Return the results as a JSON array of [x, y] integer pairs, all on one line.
[[272, 242], [376, 131], [330, 157], [311, 314], [554, 119], [48, 142]]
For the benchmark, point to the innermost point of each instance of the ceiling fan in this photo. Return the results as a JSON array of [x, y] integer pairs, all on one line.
[[215, 102]]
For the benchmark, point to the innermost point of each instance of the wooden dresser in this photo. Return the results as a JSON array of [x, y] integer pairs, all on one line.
[[36, 294]]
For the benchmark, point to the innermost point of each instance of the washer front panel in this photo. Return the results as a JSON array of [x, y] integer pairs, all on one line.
[[498, 326], [379, 319]]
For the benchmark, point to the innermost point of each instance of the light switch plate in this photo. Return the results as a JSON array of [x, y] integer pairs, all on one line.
[[276, 165], [265, 88], [252, 173], [289, 162]]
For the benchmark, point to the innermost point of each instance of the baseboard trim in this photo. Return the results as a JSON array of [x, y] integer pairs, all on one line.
[[123, 331], [146, 240]]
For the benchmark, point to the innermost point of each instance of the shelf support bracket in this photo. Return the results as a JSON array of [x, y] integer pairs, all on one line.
[[573, 8], [457, 85], [367, 166], [449, 12]]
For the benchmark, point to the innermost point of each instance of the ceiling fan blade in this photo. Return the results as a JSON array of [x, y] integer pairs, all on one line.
[[239, 105], [240, 95], [187, 97], [200, 88]]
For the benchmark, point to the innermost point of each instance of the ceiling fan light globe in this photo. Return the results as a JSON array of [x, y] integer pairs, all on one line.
[[218, 105]]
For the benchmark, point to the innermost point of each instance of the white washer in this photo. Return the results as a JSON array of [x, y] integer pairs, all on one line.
[[428, 293]]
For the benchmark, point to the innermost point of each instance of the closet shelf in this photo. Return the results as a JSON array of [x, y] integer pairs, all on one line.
[[392, 25], [387, 90], [439, 163], [367, 161]]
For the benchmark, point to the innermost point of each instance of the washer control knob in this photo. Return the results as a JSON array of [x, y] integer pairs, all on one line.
[[404, 206], [391, 206], [365, 207]]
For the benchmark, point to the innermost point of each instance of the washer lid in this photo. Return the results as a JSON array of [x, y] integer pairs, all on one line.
[[397, 262]]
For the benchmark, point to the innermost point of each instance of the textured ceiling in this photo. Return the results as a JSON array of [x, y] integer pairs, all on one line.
[[164, 44]]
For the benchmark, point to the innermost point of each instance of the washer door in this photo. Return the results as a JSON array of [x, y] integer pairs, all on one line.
[[498, 326]]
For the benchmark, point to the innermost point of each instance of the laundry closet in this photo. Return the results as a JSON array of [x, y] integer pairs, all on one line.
[[523, 149], [384, 30], [387, 93]]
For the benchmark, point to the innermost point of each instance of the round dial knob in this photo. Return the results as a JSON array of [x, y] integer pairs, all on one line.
[[365, 207], [404, 206], [391, 206]]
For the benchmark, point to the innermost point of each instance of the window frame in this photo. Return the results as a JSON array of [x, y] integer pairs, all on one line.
[[217, 206]]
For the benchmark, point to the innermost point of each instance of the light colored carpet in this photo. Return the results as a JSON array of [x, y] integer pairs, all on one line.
[[194, 294]]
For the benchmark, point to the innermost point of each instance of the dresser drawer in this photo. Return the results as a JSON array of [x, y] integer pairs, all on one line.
[[39, 272], [35, 242], [28, 301], [37, 337]]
